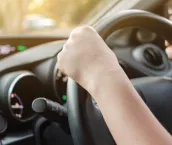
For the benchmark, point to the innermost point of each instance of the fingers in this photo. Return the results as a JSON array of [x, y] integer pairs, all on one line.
[[59, 62], [60, 65], [77, 44], [167, 44], [60, 57], [60, 74], [81, 30], [169, 52]]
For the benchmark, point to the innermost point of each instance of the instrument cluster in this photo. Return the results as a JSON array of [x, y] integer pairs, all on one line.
[[17, 91]]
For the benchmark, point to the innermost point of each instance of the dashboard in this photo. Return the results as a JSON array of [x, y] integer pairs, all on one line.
[[12, 45], [32, 73], [28, 70]]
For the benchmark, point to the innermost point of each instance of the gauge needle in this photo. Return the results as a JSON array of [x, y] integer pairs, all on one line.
[[17, 106], [18, 115], [13, 95]]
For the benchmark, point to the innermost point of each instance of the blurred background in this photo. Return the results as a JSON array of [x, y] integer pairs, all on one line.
[[23, 16]]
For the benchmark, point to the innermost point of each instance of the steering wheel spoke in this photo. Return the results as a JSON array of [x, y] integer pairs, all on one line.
[[146, 60]]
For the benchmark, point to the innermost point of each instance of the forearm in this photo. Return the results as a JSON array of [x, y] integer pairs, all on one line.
[[127, 116], [95, 67]]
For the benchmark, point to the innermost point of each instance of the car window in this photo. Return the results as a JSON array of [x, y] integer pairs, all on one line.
[[22, 16]]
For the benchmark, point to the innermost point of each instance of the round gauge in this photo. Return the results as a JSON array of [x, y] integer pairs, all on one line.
[[60, 84], [21, 88], [16, 105]]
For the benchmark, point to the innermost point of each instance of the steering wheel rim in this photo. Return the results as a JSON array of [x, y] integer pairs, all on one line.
[[85, 120], [136, 18]]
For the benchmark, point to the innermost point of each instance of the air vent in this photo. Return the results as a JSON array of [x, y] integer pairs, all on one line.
[[153, 56]]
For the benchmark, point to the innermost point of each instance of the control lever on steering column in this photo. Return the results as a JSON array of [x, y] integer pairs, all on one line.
[[53, 128], [50, 110]]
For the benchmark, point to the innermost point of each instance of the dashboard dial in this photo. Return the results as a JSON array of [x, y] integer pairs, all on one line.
[[16, 105], [17, 91]]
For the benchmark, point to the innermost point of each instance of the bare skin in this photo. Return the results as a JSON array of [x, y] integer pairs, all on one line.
[[168, 50], [88, 60]]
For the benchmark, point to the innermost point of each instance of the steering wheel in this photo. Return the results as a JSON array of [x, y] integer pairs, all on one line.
[[85, 120]]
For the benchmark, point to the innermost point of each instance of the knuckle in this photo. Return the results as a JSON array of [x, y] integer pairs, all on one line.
[[61, 55], [84, 28], [77, 32], [88, 28], [64, 46], [80, 29], [73, 34], [67, 44], [70, 42]]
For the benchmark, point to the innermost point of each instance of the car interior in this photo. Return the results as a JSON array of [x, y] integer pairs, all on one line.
[[41, 106]]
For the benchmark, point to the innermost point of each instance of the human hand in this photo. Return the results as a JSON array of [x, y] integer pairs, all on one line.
[[85, 56], [168, 50]]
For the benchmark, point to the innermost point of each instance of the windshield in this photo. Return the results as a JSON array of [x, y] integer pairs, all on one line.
[[23, 16]]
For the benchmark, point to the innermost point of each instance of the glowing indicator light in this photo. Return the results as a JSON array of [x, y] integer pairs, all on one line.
[[6, 49], [64, 97], [21, 48]]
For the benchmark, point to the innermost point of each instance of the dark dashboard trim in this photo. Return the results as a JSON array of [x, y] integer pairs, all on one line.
[[17, 137], [34, 36], [32, 55]]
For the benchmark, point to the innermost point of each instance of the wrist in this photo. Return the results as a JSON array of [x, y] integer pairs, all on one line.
[[97, 71], [105, 80]]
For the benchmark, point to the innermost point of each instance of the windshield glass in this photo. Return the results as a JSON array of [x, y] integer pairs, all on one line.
[[23, 16]]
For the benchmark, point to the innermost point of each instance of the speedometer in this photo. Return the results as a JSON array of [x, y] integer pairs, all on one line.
[[17, 91], [16, 105]]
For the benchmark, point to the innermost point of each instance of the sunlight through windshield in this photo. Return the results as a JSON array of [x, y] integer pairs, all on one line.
[[24, 16]]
